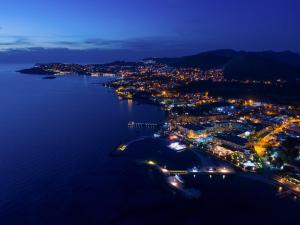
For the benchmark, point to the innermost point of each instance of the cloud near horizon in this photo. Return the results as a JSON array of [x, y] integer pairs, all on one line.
[[9, 42], [72, 49], [66, 55], [31, 49]]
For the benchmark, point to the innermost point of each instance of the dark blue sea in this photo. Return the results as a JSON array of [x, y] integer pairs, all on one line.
[[56, 136]]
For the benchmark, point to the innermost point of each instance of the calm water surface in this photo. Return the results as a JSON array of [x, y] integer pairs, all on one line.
[[55, 166]]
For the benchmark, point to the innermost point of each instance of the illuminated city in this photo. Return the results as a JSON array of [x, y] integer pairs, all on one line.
[[249, 135], [252, 136], [130, 112]]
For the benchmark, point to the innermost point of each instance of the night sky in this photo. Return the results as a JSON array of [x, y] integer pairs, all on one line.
[[127, 29]]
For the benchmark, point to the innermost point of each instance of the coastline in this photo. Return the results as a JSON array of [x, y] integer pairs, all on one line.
[[149, 101], [241, 172]]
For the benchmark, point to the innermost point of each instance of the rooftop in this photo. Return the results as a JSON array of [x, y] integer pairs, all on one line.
[[232, 138]]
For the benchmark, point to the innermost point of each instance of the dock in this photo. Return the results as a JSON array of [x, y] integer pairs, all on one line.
[[133, 124]]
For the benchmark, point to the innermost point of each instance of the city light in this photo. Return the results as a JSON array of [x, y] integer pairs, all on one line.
[[177, 146], [164, 170], [174, 183], [150, 162], [224, 170]]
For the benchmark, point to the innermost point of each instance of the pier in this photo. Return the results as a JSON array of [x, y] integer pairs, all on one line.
[[220, 171], [133, 124]]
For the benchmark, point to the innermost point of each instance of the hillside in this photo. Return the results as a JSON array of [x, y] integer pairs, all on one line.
[[242, 65]]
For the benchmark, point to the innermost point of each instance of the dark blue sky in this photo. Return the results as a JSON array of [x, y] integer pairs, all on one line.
[[138, 28]]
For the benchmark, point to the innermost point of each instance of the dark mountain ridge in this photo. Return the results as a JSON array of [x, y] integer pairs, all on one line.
[[242, 65]]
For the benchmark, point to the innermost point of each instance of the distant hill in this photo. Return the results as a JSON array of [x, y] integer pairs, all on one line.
[[36, 70], [267, 65]]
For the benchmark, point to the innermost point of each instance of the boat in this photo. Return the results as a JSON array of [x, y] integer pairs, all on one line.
[[122, 147]]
